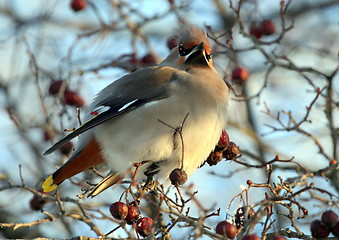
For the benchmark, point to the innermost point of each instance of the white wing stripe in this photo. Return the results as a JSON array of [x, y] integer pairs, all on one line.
[[127, 105]]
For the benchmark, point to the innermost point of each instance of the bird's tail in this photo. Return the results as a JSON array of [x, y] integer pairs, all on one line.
[[88, 157]]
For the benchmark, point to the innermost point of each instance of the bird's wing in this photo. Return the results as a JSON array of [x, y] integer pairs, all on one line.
[[124, 95]]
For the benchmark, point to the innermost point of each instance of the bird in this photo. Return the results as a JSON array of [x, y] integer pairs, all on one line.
[[158, 118]]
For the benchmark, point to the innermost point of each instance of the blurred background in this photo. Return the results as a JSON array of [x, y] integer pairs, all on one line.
[[280, 59]]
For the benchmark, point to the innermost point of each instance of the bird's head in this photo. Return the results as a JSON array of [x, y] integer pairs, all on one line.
[[193, 49]]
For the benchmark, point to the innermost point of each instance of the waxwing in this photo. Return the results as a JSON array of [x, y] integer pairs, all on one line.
[[160, 118]]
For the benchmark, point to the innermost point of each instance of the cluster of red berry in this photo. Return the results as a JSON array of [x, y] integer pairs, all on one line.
[[266, 27], [328, 223], [71, 98], [131, 215], [134, 63], [224, 149]]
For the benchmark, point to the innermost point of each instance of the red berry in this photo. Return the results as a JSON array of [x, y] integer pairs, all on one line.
[[55, 86], [172, 42], [279, 238], [132, 63], [178, 177], [249, 182], [305, 211], [318, 230], [227, 229], [240, 75], [67, 148], [133, 214], [37, 202], [143, 226], [224, 139], [231, 152], [256, 32], [251, 237], [335, 230], [251, 213], [267, 27], [329, 219], [74, 99], [78, 5], [48, 134], [119, 210], [148, 60], [214, 158]]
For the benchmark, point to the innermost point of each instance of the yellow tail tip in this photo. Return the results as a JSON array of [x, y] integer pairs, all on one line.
[[48, 184]]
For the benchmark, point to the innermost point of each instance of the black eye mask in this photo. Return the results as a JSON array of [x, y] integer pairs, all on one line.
[[183, 51]]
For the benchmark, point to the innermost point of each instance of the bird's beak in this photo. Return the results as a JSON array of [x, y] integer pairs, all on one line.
[[198, 56]]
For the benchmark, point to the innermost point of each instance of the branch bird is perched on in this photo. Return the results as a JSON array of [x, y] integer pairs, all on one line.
[[137, 115]]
